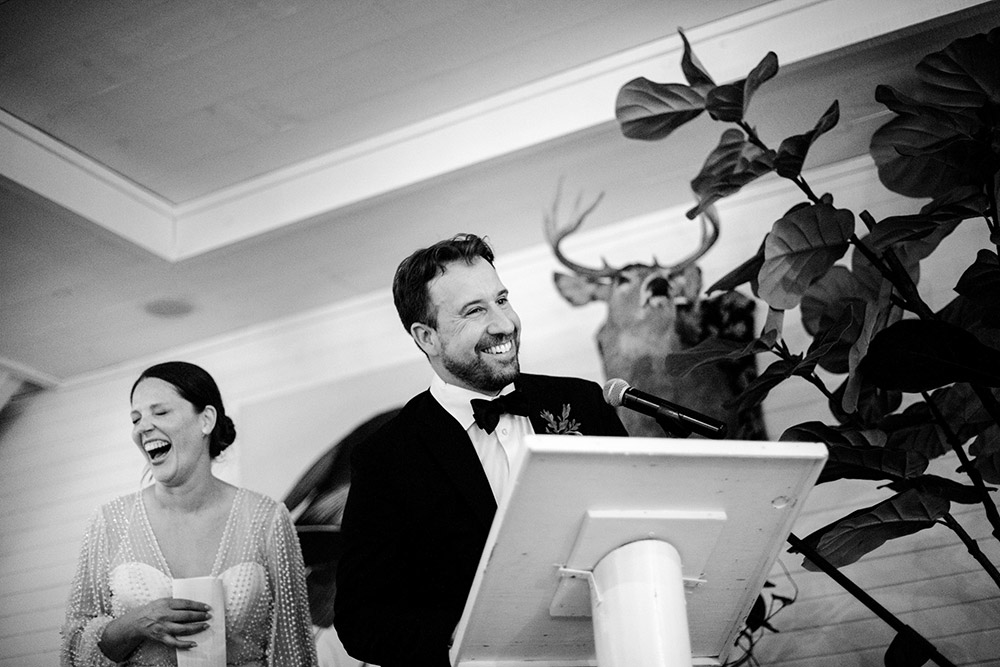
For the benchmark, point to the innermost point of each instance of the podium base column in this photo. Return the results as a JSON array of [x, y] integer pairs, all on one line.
[[638, 606]]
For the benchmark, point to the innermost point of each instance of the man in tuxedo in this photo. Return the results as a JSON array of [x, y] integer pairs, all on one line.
[[424, 488]]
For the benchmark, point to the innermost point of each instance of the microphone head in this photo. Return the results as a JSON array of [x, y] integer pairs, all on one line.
[[614, 391]]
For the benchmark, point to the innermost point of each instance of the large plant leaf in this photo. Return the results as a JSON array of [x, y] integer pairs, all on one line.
[[875, 463], [815, 431], [981, 284], [915, 430], [651, 111], [853, 456], [733, 163], [693, 70], [800, 248], [729, 103], [879, 313], [968, 155], [950, 209], [986, 450], [748, 271], [829, 302], [962, 121], [919, 355], [942, 487], [834, 340], [870, 406], [793, 150], [908, 649], [773, 375], [964, 74], [962, 410], [936, 220], [899, 149], [715, 349], [826, 300], [846, 540], [981, 322], [744, 273], [761, 386]]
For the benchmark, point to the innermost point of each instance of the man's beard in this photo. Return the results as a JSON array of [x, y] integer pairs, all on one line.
[[478, 374]]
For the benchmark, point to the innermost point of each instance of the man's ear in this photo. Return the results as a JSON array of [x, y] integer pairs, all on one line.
[[425, 337]]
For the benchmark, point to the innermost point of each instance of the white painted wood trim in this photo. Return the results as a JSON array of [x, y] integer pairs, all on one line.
[[568, 102]]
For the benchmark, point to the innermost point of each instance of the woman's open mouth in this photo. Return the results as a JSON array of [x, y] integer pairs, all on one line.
[[156, 449]]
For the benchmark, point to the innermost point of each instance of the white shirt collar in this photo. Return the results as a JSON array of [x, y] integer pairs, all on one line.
[[457, 400]]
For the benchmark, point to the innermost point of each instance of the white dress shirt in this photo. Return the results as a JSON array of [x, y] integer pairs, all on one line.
[[498, 450]]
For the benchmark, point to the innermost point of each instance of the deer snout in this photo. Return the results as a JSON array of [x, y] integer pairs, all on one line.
[[659, 291]]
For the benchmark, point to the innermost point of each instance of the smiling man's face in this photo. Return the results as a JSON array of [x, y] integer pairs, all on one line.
[[476, 340]]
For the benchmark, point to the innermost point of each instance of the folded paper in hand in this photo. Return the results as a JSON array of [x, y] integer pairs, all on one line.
[[211, 648]]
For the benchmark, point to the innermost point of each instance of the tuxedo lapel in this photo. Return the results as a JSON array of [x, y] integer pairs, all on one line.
[[449, 445], [557, 407], [534, 397]]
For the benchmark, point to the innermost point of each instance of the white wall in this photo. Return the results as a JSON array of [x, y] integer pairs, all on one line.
[[296, 386]]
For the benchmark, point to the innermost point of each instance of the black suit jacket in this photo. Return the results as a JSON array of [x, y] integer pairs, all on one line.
[[417, 517]]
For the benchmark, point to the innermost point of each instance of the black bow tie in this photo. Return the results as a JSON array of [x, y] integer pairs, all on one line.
[[487, 413]]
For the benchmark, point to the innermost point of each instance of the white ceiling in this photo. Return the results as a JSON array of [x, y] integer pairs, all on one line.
[[253, 160]]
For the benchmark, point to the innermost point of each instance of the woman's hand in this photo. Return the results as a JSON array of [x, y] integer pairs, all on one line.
[[166, 621]]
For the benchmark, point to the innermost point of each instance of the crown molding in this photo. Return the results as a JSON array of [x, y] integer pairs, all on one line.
[[542, 111]]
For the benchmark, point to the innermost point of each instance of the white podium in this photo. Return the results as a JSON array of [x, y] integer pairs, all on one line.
[[636, 552]]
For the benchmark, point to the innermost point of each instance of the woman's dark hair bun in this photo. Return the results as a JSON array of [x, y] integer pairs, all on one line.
[[223, 435]]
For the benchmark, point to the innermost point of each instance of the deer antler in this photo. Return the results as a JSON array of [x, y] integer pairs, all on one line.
[[555, 235], [709, 235]]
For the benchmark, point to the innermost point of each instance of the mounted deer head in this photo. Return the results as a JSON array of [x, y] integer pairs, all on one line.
[[654, 311]]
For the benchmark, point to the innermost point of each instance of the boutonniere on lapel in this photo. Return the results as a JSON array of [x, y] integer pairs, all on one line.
[[562, 425]]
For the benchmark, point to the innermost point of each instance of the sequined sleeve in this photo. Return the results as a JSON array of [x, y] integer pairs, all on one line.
[[89, 609], [292, 641]]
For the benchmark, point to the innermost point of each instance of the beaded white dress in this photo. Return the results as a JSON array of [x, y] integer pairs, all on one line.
[[260, 564]]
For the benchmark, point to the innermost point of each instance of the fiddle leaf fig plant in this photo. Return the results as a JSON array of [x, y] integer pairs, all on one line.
[[856, 280]]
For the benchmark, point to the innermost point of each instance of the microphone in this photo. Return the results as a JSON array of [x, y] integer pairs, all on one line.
[[618, 392]]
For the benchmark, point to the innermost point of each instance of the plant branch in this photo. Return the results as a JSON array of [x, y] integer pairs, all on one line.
[[966, 466], [752, 135], [817, 382], [801, 182], [871, 256], [973, 547], [904, 283], [867, 600]]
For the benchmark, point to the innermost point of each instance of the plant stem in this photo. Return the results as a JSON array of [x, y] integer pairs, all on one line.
[[867, 600], [801, 182], [817, 382], [966, 466], [872, 257], [752, 135], [973, 548], [904, 283]]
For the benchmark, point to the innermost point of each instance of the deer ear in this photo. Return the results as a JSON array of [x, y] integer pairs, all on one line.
[[579, 290]]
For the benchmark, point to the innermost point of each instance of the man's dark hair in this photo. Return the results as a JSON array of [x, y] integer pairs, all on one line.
[[409, 285]]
